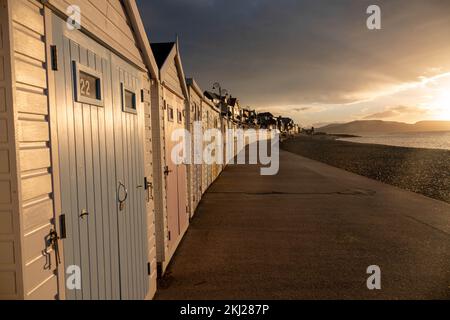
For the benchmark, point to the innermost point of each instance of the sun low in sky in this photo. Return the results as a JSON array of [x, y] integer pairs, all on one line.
[[315, 60], [439, 104], [428, 98]]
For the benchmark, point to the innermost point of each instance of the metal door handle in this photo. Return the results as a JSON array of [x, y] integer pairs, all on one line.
[[84, 213], [51, 242], [122, 201], [167, 171], [122, 186]]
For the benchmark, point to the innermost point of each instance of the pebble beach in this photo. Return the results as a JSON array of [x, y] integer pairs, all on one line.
[[424, 171]]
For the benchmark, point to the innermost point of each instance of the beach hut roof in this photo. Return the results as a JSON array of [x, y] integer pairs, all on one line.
[[141, 36], [265, 114], [211, 95], [232, 102], [161, 51]]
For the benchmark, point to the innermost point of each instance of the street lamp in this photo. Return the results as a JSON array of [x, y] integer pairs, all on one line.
[[222, 92]]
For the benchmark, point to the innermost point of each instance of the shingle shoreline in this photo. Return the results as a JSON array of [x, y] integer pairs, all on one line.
[[424, 171]]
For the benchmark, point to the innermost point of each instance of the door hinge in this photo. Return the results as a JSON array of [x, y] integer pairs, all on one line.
[[149, 187], [54, 57], [62, 226], [149, 268]]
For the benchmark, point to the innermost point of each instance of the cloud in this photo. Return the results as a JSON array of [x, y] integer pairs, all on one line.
[[392, 112], [303, 52], [302, 109]]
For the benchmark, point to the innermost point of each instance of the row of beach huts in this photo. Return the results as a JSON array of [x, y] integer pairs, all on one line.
[[91, 204]]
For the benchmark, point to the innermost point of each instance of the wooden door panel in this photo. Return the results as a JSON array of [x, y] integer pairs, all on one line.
[[132, 220], [87, 168]]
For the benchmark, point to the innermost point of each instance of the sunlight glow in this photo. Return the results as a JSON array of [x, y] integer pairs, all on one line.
[[441, 103]]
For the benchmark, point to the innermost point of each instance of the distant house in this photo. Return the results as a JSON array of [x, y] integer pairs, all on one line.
[[234, 109], [249, 117], [214, 97], [285, 125], [266, 120], [221, 102], [308, 131]]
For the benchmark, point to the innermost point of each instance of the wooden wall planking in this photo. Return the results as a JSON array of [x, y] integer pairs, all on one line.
[[194, 181], [159, 159], [171, 77], [26, 205], [2, 99], [108, 21], [33, 135], [10, 238]]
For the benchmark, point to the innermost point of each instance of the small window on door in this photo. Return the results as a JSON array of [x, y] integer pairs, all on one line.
[[88, 85], [169, 113], [129, 103]]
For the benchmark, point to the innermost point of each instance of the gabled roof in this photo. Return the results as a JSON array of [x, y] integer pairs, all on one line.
[[141, 36], [161, 51], [265, 114], [211, 95], [193, 84], [232, 102], [145, 62]]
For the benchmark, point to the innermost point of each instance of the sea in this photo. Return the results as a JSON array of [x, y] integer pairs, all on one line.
[[429, 140]]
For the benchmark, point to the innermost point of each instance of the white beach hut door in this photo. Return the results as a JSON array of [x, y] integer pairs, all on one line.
[[100, 161], [176, 178], [170, 172], [132, 222]]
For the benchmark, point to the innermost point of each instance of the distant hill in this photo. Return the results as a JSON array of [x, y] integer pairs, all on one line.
[[379, 126]]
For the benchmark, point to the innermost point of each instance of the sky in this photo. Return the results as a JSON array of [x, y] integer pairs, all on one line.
[[315, 60]]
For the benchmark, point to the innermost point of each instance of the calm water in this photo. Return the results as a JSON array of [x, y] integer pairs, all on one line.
[[431, 140]]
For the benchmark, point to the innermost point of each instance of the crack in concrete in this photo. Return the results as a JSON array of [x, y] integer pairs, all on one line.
[[345, 193], [427, 224]]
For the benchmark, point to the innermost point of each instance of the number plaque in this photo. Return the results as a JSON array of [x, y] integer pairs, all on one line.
[[88, 85]]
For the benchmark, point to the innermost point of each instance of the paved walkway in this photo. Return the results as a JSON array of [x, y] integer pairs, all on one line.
[[310, 232]]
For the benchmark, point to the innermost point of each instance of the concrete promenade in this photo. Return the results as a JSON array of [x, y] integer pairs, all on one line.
[[310, 232]]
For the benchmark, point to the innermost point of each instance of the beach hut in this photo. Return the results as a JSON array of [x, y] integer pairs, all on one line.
[[208, 123], [212, 119], [204, 171], [203, 111], [225, 126], [75, 172], [169, 116], [196, 100], [215, 124]]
